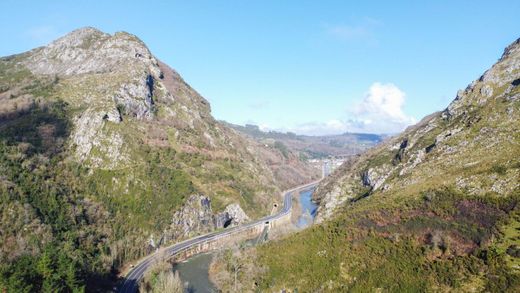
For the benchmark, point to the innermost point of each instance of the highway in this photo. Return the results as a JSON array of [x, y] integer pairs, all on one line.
[[133, 277]]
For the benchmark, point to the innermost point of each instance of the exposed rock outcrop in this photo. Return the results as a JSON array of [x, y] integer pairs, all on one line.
[[233, 215], [194, 217], [88, 50], [197, 217]]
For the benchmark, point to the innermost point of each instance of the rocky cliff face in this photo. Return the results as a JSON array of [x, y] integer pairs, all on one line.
[[473, 146], [197, 216]]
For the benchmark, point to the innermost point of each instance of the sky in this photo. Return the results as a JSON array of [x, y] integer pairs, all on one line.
[[310, 67]]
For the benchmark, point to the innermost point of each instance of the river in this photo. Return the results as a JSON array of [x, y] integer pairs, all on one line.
[[194, 271], [308, 208]]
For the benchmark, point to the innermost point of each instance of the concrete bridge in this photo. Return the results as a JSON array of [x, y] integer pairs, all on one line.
[[212, 241]]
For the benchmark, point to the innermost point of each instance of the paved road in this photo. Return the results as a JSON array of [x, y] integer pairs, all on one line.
[[136, 274]]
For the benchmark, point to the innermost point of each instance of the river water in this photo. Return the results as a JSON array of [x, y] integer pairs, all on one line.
[[308, 208], [194, 271]]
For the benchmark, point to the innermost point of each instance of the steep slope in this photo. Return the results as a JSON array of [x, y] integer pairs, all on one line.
[[106, 152], [433, 209]]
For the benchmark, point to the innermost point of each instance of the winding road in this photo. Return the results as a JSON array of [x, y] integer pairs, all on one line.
[[131, 283]]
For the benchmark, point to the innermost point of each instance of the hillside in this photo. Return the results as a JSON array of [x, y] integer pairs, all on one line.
[[105, 153], [435, 208], [313, 147]]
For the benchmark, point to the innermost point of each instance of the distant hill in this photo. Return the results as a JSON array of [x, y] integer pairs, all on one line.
[[346, 144]]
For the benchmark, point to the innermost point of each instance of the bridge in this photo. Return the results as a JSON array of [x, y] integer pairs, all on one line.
[[215, 240]]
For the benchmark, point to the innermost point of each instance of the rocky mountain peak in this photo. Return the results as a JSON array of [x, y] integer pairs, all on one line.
[[502, 77], [88, 50], [78, 37], [513, 48]]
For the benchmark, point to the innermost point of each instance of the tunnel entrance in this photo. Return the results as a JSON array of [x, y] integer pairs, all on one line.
[[228, 222]]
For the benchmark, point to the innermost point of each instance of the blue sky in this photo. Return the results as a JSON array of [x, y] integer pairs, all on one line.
[[311, 67]]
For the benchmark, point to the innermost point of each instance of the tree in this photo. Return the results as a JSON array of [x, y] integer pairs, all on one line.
[[21, 276]]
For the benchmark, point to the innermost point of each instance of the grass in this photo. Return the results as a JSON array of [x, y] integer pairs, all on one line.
[[510, 237], [391, 247]]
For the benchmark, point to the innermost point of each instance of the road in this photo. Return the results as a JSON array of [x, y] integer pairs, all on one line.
[[133, 277]]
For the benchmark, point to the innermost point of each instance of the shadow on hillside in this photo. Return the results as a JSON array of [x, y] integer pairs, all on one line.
[[109, 283], [133, 286], [36, 129]]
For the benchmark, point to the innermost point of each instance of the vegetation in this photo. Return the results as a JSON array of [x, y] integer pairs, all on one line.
[[282, 148], [162, 278], [235, 270], [59, 232], [52, 271], [36, 190], [441, 242]]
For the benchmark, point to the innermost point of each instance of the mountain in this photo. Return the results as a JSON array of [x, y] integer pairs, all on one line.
[[106, 153], [314, 147], [435, 208]]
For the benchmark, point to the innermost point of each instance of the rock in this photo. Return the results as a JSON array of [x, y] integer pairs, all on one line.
[[194, 217], [374, 178], [136, 99], [86, 129], [399, 157], [197, 217], [415, 159], [88, 134], [236, 214], [332, 200], [88, 50], [113, 115], [487, 91], [513, 98]]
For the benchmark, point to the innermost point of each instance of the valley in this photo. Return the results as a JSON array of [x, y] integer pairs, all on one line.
[[116, 175], [108, 155]]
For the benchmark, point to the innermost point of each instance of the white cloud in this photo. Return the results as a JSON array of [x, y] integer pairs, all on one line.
[[383, 102], [380, 111]]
